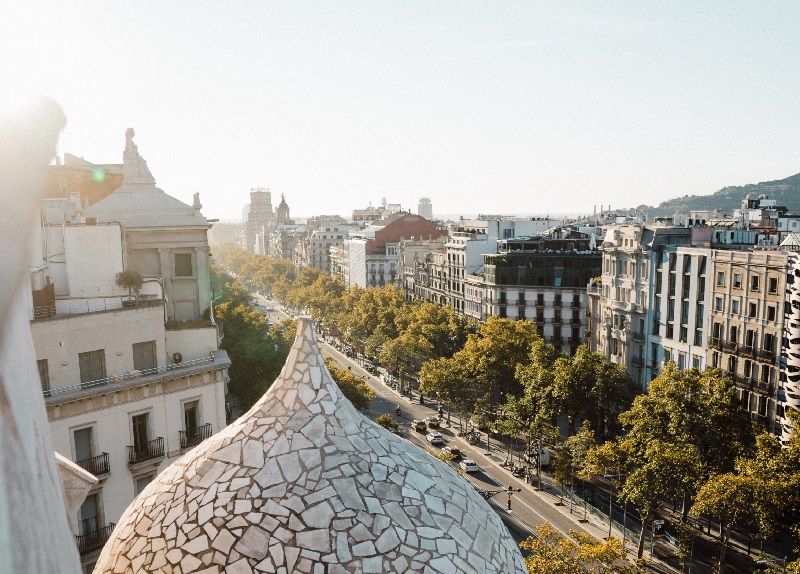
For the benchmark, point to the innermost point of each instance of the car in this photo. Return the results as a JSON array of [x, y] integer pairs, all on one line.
[[419, 426], [453, 450], [468, 465], [435, 438], [432, 422]]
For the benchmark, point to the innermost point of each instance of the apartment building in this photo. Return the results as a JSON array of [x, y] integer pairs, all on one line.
[[418, 264], [543, 279], [747, 316], [681, 292], [372, 253], [621, 303], [257, 217], [326, 231], [130, 383]]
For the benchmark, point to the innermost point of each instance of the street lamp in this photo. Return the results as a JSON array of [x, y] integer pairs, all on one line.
[[511, 491], [774, 561]]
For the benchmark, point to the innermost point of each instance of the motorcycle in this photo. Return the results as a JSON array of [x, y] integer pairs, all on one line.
[[398, 411]]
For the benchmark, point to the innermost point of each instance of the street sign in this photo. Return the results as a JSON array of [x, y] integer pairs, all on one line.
[[658, 529]]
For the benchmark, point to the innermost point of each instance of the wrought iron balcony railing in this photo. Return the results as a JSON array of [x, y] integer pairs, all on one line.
[[192, 437], [97, 465], [94, 540], [132, 375], [146, 451]]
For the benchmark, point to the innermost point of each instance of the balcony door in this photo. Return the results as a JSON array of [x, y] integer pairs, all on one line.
[[190, 416], [90, 514], [141, 431], [83, 444]]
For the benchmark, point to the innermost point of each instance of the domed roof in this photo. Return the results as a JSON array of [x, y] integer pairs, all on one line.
[[303, 482]]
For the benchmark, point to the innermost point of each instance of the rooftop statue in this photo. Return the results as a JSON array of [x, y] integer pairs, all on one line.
[[134, 166]]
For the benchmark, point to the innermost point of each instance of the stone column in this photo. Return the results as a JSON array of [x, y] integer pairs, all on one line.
[[203, 280], [166, 276]]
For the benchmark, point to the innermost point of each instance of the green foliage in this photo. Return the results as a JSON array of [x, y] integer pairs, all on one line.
[[550, 552], [257, 350], [387, 422], [353, 388], [686, 429], [587, 387], [130, 280]]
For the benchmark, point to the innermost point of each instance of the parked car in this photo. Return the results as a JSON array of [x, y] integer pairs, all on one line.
[[468, 465], [419, 426], [453, 450], [432, 422], [435, 438]]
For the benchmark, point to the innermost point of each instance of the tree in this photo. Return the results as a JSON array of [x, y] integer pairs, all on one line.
[[353, 388], [687, 428], [257, 350], [552, 553], [729, 498], [387, 422], [130, 280], [587, 386]]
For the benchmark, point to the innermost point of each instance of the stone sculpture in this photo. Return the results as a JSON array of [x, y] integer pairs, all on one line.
[[34, 532]]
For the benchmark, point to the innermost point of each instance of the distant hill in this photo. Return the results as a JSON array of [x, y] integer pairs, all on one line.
[[785, 191]]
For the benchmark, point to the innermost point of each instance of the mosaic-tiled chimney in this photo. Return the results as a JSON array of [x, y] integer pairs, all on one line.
[[303, 482]]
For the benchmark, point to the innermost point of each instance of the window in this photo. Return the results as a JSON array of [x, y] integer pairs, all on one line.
[[721, 279], [735, 306], [183, 265], [718, 304], [84, 449], [44, 374], [773, 284], [90, 520], [140, 482], [754, 281], [141, 432], [770, 313], [144, 356], [92, 365], [737, 280], [684, 334], [753, 310]]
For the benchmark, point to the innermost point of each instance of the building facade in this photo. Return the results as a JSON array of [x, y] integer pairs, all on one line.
[[747, 298], [129, 383], [543, 279]]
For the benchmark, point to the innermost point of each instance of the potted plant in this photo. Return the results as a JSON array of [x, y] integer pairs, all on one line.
[[132, 281]]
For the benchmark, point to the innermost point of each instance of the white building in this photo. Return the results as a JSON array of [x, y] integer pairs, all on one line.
[[128, 385], [425, 208]]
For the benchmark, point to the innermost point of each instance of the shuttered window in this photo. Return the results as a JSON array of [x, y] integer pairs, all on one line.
[[144, 356], [44, 374], [92, 365]]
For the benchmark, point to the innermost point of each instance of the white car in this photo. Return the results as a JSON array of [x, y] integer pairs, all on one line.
[[435, 438], [468, 465]]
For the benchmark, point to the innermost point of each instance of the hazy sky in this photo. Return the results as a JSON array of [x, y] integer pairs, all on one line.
[[498, 107]]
